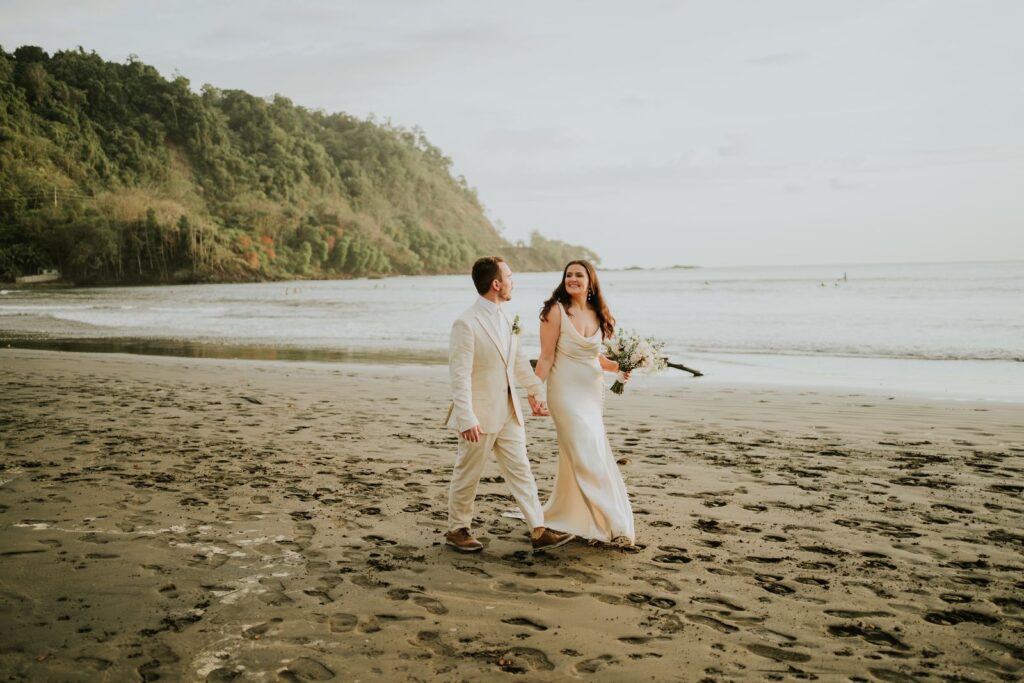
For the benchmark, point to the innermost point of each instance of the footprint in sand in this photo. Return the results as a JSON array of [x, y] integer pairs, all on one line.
[[711, 622], [475, 571], [593, 665], [661, 582], [871, 634], [523, 621], [773, 584], [1009, 605], [721, 601], [959, 616], [379, 540], [323, 596], [890, 676], [306, 669], [817, 565], [607, 599], [430, 604], [673, 555], [522, 660], [275, 598], [972, 580], [641, 640], [400, 593], [579, 575], [822, 550], [364, 581], [258, 631], [94, 663], [223, 675], [343, 622], [812, 581], [512, 587], [778, 654], [855, 614], [430, 640], [212, 561]]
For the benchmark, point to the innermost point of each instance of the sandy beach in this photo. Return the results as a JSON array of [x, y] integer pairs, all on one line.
[[190, 519]]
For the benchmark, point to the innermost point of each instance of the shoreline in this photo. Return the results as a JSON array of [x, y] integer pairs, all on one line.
[[60, 284], [995, 381], [202, 519]]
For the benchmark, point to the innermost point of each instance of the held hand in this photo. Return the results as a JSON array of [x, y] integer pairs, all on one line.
[[472, 434], [539, 408], [623, 376]]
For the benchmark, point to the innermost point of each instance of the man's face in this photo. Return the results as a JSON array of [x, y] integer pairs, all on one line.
[[505, 293]]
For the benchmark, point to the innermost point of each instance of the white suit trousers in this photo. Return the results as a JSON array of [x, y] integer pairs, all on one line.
[[509, 448]]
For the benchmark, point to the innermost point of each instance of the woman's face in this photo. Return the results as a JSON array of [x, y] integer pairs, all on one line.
[[576, 280]]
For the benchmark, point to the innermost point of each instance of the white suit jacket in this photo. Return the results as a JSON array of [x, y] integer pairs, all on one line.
[[483, 374]]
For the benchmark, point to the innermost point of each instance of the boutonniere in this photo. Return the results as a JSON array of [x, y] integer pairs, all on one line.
[[516, 328]]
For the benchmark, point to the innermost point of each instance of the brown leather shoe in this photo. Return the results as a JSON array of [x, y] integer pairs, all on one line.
[[460, 539], [550, 539]]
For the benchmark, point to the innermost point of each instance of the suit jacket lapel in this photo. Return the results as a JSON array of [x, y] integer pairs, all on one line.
[[493, 334]]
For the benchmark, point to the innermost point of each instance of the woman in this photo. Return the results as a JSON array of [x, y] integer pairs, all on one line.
[[589, 498]]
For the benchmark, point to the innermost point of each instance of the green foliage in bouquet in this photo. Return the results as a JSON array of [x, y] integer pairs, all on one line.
[[633, 352]]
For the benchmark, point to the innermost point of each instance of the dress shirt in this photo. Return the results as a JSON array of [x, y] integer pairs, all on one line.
[[496, 316]]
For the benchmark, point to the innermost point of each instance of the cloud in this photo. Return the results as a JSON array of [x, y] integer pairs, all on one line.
[[840, 184], [530, 140], [777, 59]]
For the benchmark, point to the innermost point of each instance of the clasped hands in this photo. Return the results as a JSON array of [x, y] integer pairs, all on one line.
[[539, 408]]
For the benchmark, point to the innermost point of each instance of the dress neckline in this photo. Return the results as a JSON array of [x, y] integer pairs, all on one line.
[[579, 334]]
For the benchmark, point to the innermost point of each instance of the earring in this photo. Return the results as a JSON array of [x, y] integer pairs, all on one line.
[[590, 295]]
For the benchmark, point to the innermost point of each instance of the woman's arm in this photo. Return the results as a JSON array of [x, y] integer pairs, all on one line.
[[549, 330], [606, 364]]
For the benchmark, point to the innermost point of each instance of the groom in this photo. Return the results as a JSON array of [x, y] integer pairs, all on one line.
[[484, 361]]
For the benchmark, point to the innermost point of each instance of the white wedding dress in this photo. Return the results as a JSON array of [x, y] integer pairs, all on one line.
[[589, 498]]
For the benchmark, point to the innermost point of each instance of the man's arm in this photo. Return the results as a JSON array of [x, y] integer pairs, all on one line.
[[460, 369], [534, 387]]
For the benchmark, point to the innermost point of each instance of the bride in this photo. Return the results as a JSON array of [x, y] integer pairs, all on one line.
[[589, 498]]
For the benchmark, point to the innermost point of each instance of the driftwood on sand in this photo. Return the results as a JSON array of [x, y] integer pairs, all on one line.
[[668, 363]]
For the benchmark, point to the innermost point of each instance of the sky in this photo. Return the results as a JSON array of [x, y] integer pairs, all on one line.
[[713, 133]]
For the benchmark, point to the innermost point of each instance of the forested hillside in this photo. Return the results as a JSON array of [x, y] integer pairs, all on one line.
[[115, 174]]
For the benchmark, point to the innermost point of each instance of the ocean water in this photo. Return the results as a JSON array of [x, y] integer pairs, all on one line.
[[954, 330]]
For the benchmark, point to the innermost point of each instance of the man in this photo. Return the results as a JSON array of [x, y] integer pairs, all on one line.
[[484, 362]]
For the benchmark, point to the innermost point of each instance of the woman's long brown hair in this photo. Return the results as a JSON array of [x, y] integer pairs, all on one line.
[[594, 298]]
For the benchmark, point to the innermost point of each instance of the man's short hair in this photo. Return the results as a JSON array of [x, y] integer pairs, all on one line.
[[485, 271]]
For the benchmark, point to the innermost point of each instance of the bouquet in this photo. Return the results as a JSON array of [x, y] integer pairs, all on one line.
[[633, 352]]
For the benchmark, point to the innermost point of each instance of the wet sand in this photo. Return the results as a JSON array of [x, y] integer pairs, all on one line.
[[194, 519]]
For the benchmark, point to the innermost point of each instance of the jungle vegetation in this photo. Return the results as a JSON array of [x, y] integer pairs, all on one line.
[[115, 174]]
